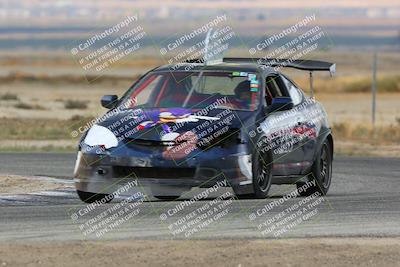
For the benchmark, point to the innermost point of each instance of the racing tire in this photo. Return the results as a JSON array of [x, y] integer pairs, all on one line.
[[321, 172], [88, 197], [262, 174], [262, 177]]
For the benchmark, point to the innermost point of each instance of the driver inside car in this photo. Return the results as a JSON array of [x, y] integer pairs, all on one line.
[[243, 94]]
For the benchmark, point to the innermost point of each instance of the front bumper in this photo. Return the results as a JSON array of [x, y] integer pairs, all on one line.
[[106, 172]]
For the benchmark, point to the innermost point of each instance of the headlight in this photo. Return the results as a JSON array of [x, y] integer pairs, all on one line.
[[100, 136]]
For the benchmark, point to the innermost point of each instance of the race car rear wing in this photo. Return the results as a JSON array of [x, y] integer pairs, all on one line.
[[300, 64], [308, 65]]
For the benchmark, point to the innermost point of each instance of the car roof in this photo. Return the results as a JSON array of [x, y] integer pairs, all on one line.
[[214, 67]]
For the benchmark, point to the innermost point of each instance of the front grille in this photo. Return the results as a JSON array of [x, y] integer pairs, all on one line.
[[144, 145], [142, 142], [154, 172]]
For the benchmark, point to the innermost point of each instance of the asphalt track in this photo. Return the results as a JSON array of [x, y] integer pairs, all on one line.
[[364, 200]]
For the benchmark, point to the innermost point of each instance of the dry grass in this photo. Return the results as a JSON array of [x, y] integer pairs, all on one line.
[[355, 108], [384, 84], [22, 105], [364, 149], [350, 84], [30, 78], [364, 140], [52, 98], [40, 129], [366, 133], [75, 104], [9, 96]]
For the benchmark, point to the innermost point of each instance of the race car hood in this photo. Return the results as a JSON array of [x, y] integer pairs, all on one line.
[[155, 123]]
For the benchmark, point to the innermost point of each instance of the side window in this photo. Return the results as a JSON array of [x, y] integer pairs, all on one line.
[[293, 91], [274, 88]]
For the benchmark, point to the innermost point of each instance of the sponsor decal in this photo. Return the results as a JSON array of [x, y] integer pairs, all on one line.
[[252, 76], [174, 115], [253, 81], [254, 85], [178, 144]]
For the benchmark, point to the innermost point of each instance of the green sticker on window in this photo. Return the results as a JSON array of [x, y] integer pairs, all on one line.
[[236, 73]]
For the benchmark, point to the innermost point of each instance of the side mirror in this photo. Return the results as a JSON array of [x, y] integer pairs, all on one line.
[[109, 101], [279, 104]]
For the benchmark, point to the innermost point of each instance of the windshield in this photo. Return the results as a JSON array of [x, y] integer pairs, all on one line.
[[239, 90]]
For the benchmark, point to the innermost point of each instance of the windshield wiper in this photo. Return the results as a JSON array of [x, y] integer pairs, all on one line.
[[192, 89]]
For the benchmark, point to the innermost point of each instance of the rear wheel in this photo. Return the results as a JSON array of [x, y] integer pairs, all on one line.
[[88, 197], [321, 173]]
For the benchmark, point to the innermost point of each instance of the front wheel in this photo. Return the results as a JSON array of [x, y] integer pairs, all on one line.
[[261, 171], [321, 173], [261, 175], [88, 197]]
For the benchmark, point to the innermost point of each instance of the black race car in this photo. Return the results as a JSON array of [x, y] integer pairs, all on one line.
[[239, 122]]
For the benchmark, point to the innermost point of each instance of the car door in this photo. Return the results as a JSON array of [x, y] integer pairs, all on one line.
[[279, 128], [308, 122]]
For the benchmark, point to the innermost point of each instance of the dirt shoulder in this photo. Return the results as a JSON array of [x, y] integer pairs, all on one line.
[[15, 184], [291, 252]]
